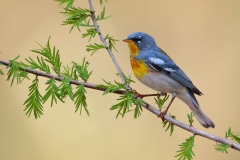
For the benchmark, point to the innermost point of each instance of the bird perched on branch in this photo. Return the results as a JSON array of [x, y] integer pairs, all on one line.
[[154, 68]]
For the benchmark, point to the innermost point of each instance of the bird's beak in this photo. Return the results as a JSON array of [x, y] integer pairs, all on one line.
[[127, 40]]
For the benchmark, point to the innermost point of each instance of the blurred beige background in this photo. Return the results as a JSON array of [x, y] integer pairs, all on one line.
[[203, 37]]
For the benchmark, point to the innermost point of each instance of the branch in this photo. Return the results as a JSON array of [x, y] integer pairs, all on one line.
[[149, 107], [105, 43], [58, 78], [191, 129]]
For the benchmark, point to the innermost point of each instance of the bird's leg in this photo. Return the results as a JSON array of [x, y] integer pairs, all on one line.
[[137, 94], [147, 95], [162, 114], [162, 94], [158, 94]]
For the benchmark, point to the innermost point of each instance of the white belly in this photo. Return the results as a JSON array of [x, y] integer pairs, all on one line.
[[162, 83]]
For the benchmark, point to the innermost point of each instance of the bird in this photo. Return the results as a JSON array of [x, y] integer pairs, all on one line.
[[154, 68]]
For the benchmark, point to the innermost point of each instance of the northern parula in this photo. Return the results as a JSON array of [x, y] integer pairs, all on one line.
[[154, 68]]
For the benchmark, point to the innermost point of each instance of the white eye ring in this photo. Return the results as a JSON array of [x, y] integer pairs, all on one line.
[[139, 39]]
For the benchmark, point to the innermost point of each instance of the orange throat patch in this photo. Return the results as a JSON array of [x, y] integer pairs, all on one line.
[[139, 68]]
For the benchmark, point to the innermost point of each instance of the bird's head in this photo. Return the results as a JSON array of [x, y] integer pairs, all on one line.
[[140, 41]]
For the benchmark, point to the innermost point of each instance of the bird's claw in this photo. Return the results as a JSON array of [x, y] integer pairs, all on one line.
[[162, 94], [162, 114], [138, 95]]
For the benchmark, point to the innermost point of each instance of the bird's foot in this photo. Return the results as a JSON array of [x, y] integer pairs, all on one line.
[[138, 95], [162, 94], [162, 114]]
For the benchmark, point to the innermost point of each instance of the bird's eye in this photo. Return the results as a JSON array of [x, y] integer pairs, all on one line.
[[139, 39]]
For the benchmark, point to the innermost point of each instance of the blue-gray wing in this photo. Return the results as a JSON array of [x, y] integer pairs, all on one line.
[[169, 68]]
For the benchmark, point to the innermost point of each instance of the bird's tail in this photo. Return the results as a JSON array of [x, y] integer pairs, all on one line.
[[201, 117]]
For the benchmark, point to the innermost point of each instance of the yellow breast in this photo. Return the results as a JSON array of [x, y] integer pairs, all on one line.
[[139, 68]]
